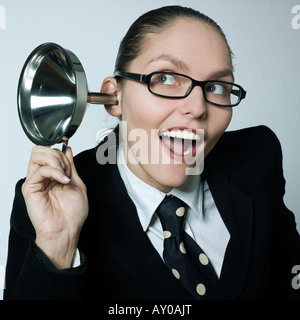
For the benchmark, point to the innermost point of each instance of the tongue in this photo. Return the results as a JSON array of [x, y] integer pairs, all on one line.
[[176, 145]]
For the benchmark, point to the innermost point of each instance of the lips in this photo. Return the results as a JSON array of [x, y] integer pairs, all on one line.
[[181, 143]]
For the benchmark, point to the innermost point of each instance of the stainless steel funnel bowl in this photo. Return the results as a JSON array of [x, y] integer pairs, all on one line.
[[53, 95]]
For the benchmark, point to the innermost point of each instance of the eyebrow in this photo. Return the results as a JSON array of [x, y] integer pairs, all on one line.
[[181, 65], [221, 74], [176, 62]]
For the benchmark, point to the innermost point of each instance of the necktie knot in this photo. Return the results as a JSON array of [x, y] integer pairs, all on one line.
[[171, 214]]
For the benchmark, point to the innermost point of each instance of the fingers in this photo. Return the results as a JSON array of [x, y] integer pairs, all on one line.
[[47, 172], [74, 175], [47, 157], [46, 166]]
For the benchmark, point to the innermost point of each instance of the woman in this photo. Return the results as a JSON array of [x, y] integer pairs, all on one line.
[[80, 229]]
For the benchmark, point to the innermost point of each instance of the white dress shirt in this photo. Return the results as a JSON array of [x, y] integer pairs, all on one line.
[[203, 221]]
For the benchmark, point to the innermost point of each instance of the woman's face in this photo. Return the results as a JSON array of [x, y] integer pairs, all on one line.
[[191, 48]]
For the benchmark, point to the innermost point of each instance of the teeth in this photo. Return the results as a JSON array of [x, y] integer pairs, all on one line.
[[181, 134]]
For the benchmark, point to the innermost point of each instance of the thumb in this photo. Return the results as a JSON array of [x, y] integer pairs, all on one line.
[[74, 174]]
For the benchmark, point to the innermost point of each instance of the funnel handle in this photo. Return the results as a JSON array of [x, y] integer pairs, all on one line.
[[65, 146]]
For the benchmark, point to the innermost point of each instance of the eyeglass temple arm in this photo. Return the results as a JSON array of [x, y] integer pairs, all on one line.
[[102, 98], [132, 76], [237, 93]]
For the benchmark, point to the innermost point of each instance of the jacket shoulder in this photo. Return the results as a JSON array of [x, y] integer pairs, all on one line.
[[97, 168], [85, 158], [97, 158], [257, 145], [259, 140], [252, 136]]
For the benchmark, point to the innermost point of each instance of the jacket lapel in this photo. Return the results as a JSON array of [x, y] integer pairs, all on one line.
[[236, 210]]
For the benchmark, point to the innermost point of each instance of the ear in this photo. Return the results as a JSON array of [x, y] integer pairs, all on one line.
[[110, 86]]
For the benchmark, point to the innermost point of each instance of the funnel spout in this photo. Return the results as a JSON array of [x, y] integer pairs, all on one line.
[[101, 98]]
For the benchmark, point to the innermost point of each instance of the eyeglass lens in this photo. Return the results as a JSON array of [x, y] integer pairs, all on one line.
[[173, 85]]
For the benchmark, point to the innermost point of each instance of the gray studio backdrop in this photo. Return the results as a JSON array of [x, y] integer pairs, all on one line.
[[264, 36]]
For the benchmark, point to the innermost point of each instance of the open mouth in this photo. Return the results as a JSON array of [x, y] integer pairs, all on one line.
[[181, 143]]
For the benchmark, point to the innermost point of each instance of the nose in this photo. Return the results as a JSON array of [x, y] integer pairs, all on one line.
[[194, 105]]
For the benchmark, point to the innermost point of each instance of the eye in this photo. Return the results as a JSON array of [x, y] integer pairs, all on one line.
[[166, 79], [216, 88]]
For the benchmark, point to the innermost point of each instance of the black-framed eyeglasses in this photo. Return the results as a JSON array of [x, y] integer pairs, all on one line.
[[174, 85]]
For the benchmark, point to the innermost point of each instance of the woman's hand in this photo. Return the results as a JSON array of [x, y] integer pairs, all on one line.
[[56, 202]]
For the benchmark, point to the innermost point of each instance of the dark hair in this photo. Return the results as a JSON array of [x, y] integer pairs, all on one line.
[[152, 22]]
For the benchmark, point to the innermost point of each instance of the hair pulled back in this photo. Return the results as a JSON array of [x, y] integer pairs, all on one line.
[[153, 22]]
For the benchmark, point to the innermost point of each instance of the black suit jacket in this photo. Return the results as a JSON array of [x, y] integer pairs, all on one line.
[[244, 173]]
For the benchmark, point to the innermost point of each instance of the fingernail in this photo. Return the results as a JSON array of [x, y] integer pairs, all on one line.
[[66, 179]]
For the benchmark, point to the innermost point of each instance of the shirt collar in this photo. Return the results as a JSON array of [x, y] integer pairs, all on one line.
[[191, 192], [147, 198]]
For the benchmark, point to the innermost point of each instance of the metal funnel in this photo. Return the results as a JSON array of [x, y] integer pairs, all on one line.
[[53, 95]]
